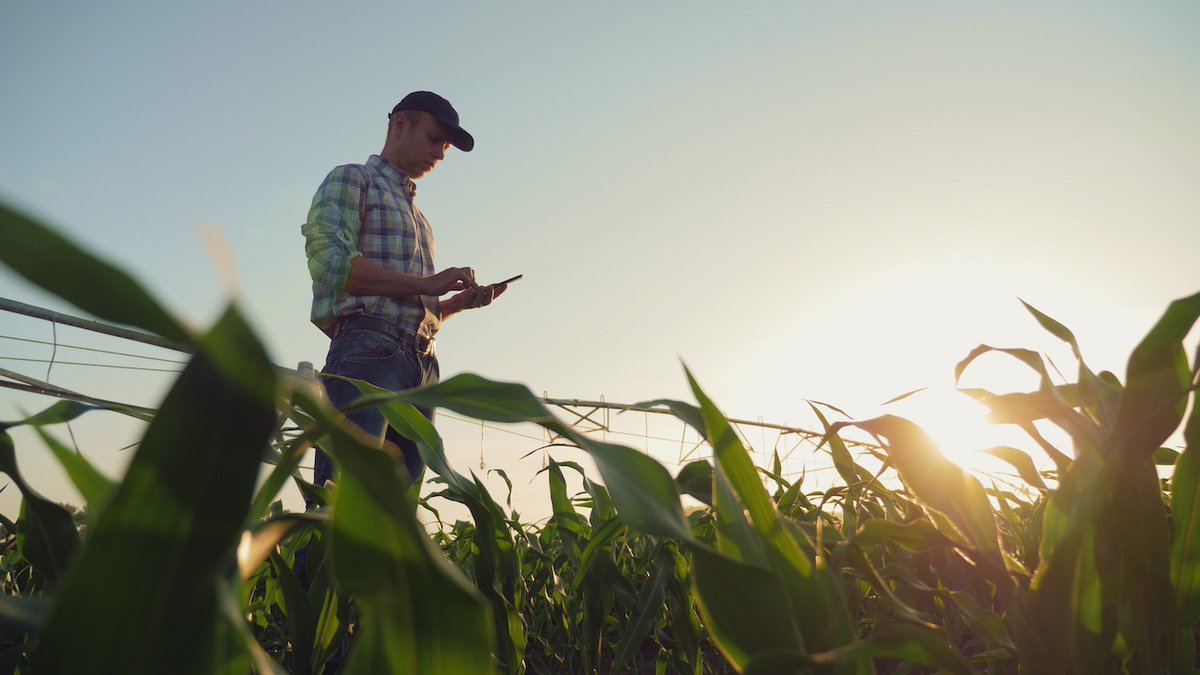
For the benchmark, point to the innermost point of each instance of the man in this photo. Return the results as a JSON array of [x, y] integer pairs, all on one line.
[[370, 254]]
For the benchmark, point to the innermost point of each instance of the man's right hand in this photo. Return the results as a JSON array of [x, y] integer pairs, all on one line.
[[450, 279]]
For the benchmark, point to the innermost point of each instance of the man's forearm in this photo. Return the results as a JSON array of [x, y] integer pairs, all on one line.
[[368, 278]]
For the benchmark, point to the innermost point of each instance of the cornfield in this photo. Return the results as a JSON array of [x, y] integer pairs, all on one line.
[[189, 563]]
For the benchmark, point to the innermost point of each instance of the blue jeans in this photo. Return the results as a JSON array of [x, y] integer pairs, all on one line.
[[386, 362]]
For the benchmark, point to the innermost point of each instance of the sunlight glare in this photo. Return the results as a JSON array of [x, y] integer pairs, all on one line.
[[959, 426]]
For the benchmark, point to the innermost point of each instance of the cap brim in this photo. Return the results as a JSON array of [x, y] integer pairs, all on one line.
[[461, 139]]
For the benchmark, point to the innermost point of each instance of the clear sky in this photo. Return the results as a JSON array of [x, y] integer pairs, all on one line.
[[799, 200]]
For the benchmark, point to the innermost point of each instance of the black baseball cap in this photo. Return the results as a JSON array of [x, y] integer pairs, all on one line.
[[442, 111]]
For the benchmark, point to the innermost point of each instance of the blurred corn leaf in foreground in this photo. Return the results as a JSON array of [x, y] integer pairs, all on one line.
[[151, 591]]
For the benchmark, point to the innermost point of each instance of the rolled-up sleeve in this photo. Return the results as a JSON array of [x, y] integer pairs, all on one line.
[[331, 232]]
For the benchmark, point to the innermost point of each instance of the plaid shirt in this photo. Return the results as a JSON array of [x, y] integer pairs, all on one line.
[[367, 209]]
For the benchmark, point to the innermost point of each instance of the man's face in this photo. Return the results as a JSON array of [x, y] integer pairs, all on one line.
[[421, 146]]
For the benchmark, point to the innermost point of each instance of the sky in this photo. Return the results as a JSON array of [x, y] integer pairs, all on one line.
[[799, 201]]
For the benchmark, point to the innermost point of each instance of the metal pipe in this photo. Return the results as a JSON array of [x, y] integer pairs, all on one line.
[[88, 324]]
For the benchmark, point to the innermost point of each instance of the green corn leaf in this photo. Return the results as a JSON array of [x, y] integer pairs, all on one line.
[[684, 620], [846, 467], [686, 412], [1067, 621], [237, 650], [286, 466], [741, 607], [168, 526], [983, 621], [419, 614], [1134, 523], [602, 506], [856, 559], [1020, 461], [901, 571], [696, 479], [1157, 382], [907, 643], [60, 412], [413, 425], [842, 460], [1185, 511], [302, 620], [736, 537], [917, 536], [793, 498], [943, 487], [477, 397], [93, 485], [1022, 408], [643, 492], [333, 610], [649, 604], [597, 543], [507, 482], [813, 596], [734, 461], [1062, 463], [645, 495], [57, 265], [1054, 328], [496, 568], [1165, 457], [45, 531], [570, 524]]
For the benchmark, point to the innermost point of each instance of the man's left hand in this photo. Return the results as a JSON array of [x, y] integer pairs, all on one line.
[[479, 296]]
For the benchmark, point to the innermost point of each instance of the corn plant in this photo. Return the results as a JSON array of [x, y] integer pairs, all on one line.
[[189, 564]]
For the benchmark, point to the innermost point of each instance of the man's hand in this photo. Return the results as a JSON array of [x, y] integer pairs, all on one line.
[[480, 296], [472, 298], [368, 278], [450, 279]]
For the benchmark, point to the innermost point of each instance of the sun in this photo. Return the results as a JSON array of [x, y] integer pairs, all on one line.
[[958, 425]]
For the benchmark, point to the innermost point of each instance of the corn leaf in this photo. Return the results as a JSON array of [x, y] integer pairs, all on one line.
[[1157, 382], [46, 533], [944, 488], [93, 485], [1185, 511], [741, 607], [419, 614], [813, 596], [910, 644], [169, 524], [645, 495], [918, 535], [56, 264], [1020, 461]]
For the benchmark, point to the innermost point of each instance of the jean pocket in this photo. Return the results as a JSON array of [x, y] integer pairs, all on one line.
[[368, 346]]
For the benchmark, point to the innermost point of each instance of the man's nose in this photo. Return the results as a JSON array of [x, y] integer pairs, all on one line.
[[440, 153]]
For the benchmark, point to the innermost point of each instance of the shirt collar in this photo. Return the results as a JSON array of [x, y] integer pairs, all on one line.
[[393, 173]]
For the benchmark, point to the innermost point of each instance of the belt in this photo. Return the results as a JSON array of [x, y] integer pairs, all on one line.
[[423, 344]]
